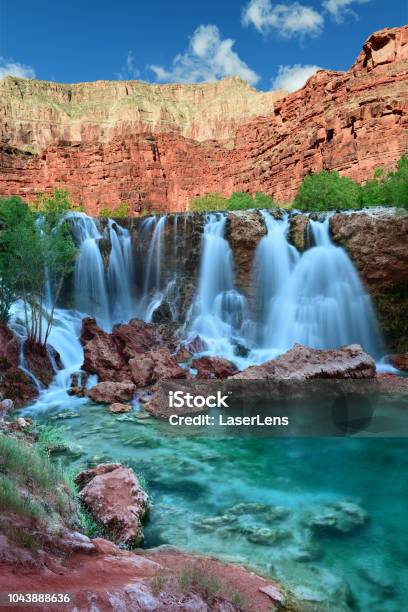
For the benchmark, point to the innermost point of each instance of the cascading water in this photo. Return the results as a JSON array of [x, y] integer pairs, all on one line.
[[315, 298], [274, 262], [219, 310], [104, 294], [120, 273], [322, 304], [153, 290]]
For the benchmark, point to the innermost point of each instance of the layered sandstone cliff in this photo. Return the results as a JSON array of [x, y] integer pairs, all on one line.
[[158, 146]]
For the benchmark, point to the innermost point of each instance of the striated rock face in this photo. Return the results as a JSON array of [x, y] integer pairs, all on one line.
[[115, 499], [160, 145]]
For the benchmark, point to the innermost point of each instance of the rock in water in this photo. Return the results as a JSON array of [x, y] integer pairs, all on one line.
[[117, 408], [151, 366], [213, 367], [6, 406], [399, 361], [14, 383], [113, 496], [342, 517], [302, 363], [162, 314], [111, 392]]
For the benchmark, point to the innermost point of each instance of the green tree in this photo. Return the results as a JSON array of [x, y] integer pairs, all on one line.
[[35, 250], [120, 212], [58, 202], [327, 190], [262, 200], [240, 201], [396, 185]]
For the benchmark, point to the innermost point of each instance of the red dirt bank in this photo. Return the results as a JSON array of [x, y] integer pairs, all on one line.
[[352, 122]]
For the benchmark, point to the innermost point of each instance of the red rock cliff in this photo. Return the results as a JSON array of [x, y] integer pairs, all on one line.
[[160, 145]]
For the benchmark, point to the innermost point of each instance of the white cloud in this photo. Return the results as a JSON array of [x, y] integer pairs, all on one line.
[[339, 8], [129, 71], [8, 67], [293, 77], [288, 20], [208, 57]]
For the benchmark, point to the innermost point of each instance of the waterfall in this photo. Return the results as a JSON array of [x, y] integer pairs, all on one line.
[[120, 273], [315, 298], [105, 292], [322, 303], [91, 294], [274, 261], [219, 310], [153, 290]]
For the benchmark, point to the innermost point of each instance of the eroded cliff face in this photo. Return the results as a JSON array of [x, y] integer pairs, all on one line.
[[158, 146]]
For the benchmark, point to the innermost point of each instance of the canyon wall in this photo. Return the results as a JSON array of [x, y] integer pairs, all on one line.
[[158, 146]]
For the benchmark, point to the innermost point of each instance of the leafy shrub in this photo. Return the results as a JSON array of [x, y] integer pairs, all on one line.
[[262, 200], [239, 200], [59, 201], [395, 185], [327, 190], [120, 212], [211, 202]]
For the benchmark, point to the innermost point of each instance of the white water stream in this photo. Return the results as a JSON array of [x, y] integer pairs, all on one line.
[[315, 298]]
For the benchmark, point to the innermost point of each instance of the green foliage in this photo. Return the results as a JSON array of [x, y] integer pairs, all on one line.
[[87, 524], [31, 485], [56, 203], [12, 500], [239, 200], [211, 202], [120, 212], [50, 439], [327, 190], [262, 200], [33, 251], [396, 185]]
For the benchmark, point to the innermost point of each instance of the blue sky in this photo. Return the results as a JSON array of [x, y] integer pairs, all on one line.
[[271, 44]]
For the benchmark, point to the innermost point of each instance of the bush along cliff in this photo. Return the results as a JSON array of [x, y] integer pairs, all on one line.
[[323, 191]]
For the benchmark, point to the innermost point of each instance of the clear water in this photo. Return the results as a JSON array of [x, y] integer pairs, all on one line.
[[193, 478]]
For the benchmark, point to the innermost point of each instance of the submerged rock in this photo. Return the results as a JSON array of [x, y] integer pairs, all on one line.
[[111, 392], [341, 517], [115, 499], [302, 363]]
